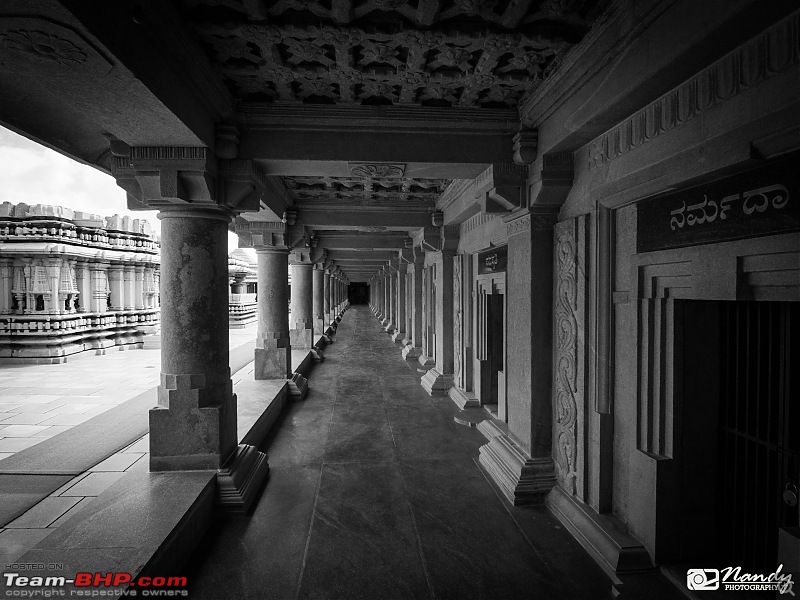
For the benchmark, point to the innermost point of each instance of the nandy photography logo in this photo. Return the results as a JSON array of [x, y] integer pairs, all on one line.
[[733, 579]]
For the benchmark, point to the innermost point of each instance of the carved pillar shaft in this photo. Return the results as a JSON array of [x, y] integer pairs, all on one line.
[[273, 347], [401, 300], [194, 425]]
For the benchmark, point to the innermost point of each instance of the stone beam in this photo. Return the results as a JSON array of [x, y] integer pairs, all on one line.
[[363, 241], [428, 142], [361, 255], [388, 217]]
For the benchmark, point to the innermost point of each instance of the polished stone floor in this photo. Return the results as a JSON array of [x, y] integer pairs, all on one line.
[[375, 492]]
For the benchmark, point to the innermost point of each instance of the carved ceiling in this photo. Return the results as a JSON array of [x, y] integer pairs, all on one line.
[[464, 53], [371, 190]]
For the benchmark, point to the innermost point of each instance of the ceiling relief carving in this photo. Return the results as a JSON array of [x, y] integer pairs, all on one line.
[[372, 170], [465, 53], [373, 190]]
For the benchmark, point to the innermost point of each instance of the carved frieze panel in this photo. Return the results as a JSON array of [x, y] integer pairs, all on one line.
[[488, 53], [370, 189]]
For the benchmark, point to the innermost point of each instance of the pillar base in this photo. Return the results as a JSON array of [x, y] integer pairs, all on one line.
[[272, 363], [411, 352], [522, 479], [301, 339], [426, 361], [463, 399], [298, 387], [317, 355], [437, 384], [240, 480], [399, 337], [185, 436]]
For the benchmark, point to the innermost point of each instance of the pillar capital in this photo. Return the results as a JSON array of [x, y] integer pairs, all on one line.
[[261, 234], [158, 177]]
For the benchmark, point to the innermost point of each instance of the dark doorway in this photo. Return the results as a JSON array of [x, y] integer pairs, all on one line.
[[492, 380], [737, 440], [759, 429], [358, 293]]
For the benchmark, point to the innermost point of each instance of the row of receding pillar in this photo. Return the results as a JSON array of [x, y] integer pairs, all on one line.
[[318, 297], [412, 298]]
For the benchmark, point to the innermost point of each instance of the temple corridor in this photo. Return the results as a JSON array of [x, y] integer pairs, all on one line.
[[375, 492]]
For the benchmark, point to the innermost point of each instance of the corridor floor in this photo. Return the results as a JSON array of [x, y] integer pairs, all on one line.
[[375, 492]]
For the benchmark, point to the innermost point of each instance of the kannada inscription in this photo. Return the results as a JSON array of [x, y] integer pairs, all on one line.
[[760, 201], [493, 261]]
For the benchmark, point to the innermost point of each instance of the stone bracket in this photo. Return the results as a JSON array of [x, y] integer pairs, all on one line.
[[239, 481]]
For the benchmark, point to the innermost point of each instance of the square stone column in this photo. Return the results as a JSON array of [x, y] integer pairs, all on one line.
[[317, 303], [273, 353], [326, 296], [391, 298], [301, 321], [414, 349], [522, 461], [400, 302], [439, 380]]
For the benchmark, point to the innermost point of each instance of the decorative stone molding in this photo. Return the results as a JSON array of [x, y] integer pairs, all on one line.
[[567, 390], [47, 45], [436, 383], [761, 58], [376, 170]]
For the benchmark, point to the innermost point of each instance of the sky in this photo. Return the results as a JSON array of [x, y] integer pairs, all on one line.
[[33, 174]]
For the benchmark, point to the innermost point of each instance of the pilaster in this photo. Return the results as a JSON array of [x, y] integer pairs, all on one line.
[[521, 461]]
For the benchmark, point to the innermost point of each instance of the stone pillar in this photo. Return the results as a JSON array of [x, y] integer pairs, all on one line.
[[301, 325], [116, 285], [524, 464], [439, 380], [415, 269], [238, 286], [400, 311], [53, 267], [318, 304], [273, 354], [194, 425], [387, 294], [326, 297], [138, 294], [6, 275], [391, 298], [99, 287], [128, 287]]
